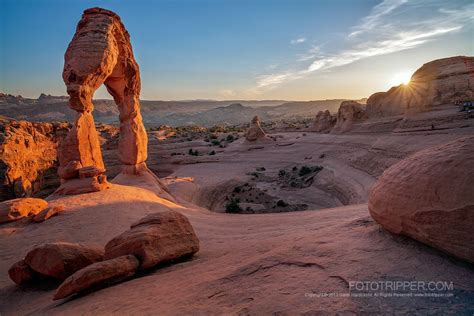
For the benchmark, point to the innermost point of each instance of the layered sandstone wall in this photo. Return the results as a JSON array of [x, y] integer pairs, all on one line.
[[28, 158], [438, 82]]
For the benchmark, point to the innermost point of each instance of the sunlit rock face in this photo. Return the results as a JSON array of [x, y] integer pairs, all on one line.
[[100, 53], [430, 197], [28, 158], [439, 82]]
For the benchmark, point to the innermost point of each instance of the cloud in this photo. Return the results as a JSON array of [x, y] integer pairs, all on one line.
[[227, 93], [298, 40], [391, 26], [377, 13]]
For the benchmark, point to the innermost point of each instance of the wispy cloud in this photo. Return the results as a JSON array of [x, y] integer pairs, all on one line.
[[377, 14], [298, 40], [391, 26]]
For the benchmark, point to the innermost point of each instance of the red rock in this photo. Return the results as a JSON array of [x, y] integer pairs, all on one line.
[[84, 185], [156, 238], [48, 213], [21, 273], [60, 260], [323, 122], [71, 170], [438, 82], [349, 113], [90, 171], [12, 210], [98, 274], [100, 53], [29, 155], [255, 131], [430, 197]]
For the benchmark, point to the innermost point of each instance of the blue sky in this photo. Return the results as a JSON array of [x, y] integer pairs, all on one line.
[[243, 49]]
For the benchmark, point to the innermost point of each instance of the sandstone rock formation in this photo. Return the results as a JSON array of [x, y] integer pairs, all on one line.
[[323, 122], [349, 113], [100, 53], [430, 197], [438, 82], [16, 209], [59, 260], [49, 212], [155, 239], [255, 132], [98, 274], [21, 273], [28, 158]]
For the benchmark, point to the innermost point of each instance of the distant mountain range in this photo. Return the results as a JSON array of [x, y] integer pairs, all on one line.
[[174, 113]]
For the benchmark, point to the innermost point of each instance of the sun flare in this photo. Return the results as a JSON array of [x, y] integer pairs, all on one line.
[[401, 78]]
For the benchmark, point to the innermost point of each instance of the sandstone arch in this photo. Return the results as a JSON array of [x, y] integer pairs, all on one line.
[[100, 53]]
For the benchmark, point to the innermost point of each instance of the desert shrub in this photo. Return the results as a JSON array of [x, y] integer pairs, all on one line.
[[193, 152], [212, 153], [215, 142], [237, 189], [260, 169], [233, 206], [230, 138], [304, 171], [282, 203], [282, 173]]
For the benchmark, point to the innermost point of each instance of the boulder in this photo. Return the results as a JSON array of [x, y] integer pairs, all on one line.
[[155, 239], [349, 112], [97, 275], [21, 273], [255, 131], [61, 259], [323, 122], [49, 212], [16, 209], [430, 197], [442, 81]]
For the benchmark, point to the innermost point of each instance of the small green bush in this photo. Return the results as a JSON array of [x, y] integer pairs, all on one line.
[[233, 206]]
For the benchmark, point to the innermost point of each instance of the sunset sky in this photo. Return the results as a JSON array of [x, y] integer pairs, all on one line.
[[243, 49]]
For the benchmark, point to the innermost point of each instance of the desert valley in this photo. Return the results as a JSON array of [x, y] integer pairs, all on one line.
[[240, 207]]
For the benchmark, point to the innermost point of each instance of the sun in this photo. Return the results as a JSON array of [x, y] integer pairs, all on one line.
[[401, 78]]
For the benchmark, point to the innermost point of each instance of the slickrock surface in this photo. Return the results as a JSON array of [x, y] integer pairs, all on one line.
[[256, 264], [438, 82], [28, 157], [430, 197], [255, 131], [323, 122], [349, 113], [100, 53]]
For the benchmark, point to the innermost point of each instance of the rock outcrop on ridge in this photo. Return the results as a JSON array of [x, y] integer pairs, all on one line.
[[349, 113], [323, 122], [430, 197], [438, 82], [255, 131]]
